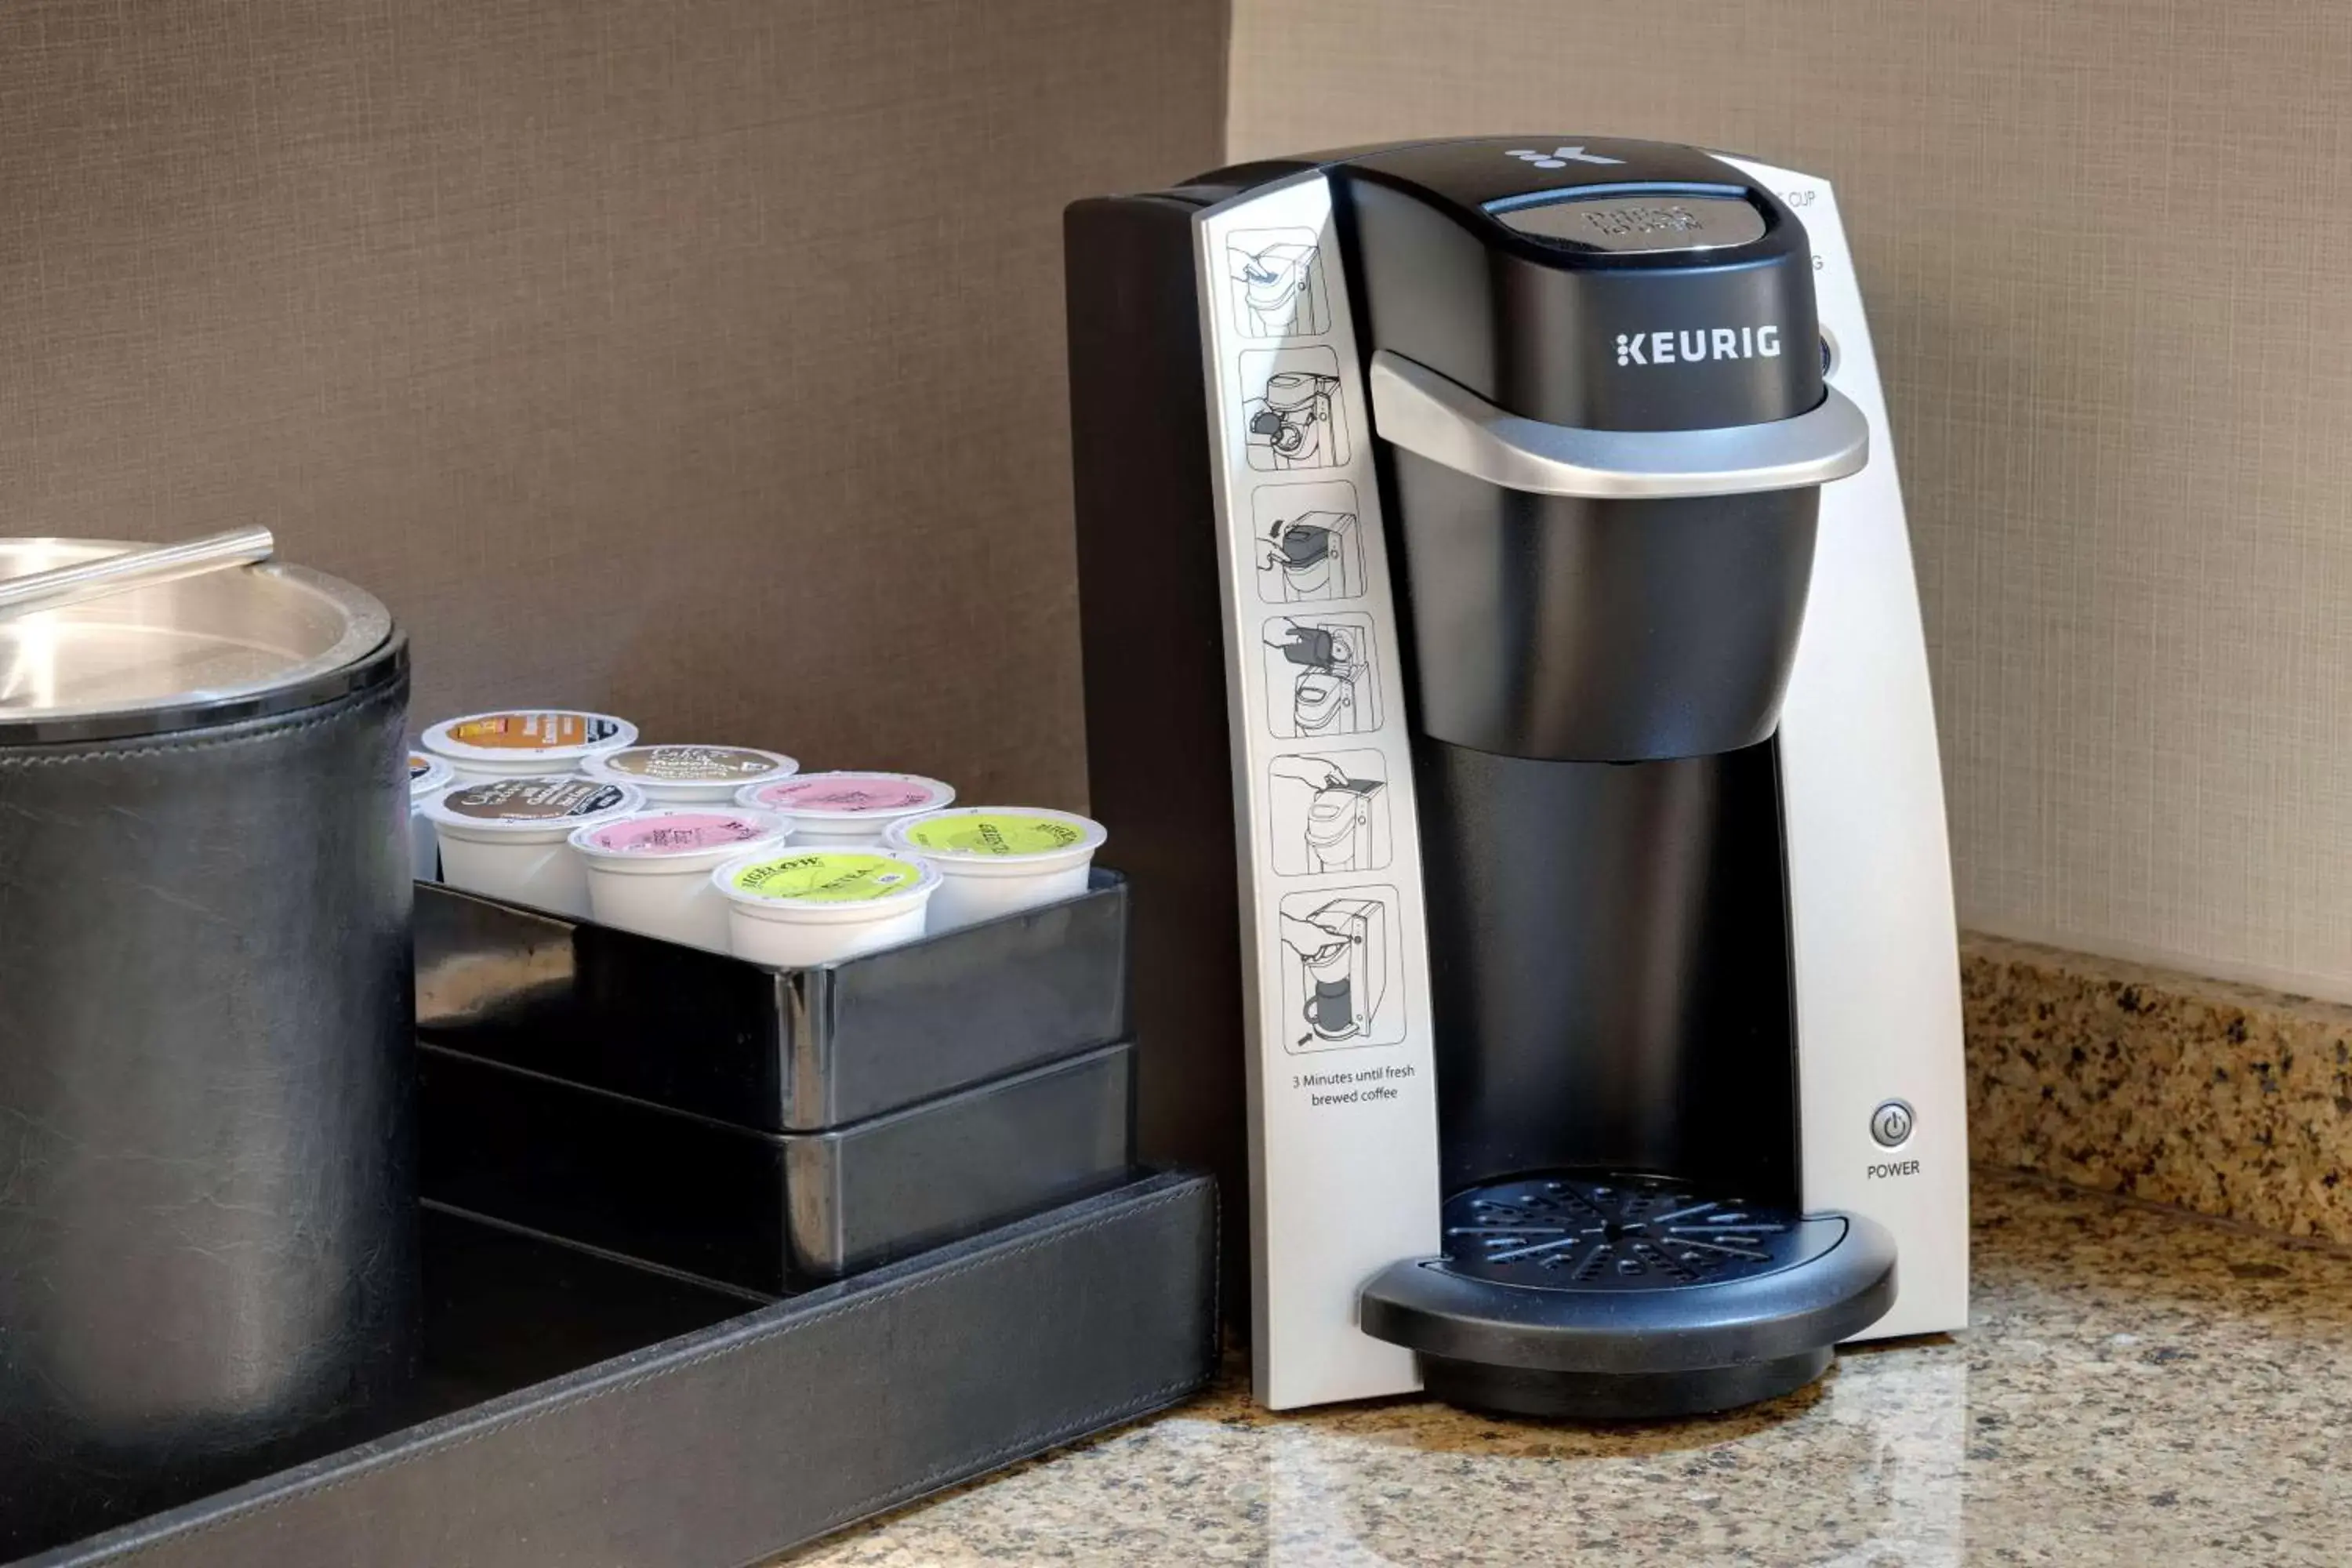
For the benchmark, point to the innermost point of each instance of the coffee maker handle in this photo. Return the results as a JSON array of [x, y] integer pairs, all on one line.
[[1434, 418]]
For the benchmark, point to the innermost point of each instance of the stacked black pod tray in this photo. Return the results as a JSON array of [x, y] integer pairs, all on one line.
[[719, 1258], [770, 1128]]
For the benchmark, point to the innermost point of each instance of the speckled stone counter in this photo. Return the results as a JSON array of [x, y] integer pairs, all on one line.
[[2140, 1387], [2214, 1096]]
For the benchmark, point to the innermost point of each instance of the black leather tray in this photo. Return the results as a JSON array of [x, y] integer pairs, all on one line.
[[582, 1413], [767, 1211], [777, 1050]]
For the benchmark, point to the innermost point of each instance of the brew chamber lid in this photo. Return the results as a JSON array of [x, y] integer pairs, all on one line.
[[226, 645]]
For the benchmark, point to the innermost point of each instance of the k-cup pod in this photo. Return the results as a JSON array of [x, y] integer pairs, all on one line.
[[650, 871], [994, 859], [839, 810], [689, 776], [427, 776], [805, 906], [524, 745], [510, 838]]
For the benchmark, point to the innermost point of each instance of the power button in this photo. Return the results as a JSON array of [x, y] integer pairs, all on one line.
[[1891, 1124]]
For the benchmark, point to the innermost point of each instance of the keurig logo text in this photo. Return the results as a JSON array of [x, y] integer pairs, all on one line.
[[1692, 347]]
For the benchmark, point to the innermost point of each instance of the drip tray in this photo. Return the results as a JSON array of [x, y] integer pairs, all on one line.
[[1628, 1297]]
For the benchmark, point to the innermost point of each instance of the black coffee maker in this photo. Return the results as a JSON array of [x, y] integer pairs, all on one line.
[[1581, 383]]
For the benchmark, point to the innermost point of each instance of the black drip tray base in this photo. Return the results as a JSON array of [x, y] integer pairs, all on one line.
[[1611, 1296], [1616, 1396]]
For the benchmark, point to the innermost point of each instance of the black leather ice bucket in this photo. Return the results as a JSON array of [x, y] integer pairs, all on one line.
[[206, 1182]]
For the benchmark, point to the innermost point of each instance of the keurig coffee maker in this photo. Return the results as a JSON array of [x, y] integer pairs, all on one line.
[[1614, 1070]]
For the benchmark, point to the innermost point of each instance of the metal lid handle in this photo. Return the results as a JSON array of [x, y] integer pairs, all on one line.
[[1423, 412], [90, 580]]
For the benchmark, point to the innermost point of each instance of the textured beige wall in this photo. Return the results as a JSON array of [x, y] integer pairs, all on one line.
[[2107, 250], [699, 359]]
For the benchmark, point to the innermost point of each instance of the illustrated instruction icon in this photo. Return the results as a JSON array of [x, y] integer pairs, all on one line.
[[1319, 677], [1338, 968], [1292, 412], [1277, 283], [1309, 544], [1329, 811]]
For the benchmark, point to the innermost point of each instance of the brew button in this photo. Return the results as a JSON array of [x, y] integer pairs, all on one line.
[[1891, 1124]]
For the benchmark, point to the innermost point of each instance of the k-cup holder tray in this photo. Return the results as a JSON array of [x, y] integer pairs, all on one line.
[[786, 1050], [578, 1411], [769, 1211]]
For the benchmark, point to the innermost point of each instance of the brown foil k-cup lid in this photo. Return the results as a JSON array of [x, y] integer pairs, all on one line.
[[693, 764], [532, 800]]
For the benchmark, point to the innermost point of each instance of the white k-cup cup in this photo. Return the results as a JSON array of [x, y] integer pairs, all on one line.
[[427, 776], [510, 838], [650, 871], [800, 907], [689, 776], [840, 810], [994, 859], [524, 745]]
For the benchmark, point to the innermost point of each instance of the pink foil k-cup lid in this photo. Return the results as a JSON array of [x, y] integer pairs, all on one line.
[[661, 833], [851, 794]]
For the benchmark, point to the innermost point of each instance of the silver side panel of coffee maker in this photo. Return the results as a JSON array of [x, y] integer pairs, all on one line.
[[1881, 1084], [1342, 1115]]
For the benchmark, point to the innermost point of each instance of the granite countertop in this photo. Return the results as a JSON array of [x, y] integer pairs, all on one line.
[[2140, 1387]]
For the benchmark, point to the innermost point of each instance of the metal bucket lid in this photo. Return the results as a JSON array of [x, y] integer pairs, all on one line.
[[211, 649]]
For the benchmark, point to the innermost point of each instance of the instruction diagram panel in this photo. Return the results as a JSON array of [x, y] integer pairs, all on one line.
[[1343, 1125]]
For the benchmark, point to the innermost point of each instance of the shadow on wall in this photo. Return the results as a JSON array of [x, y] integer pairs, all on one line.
[[702, 364]]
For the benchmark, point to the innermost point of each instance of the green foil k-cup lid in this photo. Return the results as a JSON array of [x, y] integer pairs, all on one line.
[[999, 833], [828, 877]]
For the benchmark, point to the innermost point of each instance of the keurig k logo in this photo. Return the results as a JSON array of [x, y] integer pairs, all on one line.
[[1707, 343]]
